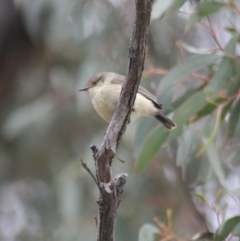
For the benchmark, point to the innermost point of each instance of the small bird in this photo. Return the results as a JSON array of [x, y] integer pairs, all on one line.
[[104, 89]]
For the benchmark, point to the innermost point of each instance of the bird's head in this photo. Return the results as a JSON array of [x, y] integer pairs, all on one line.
[[96, 81]]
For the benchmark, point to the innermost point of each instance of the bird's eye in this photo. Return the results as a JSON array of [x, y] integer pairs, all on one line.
[[94, 83]]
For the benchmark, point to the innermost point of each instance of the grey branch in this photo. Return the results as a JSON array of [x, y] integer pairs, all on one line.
[[111, 189]]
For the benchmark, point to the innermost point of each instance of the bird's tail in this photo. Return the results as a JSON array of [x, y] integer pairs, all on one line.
[[165, 121]]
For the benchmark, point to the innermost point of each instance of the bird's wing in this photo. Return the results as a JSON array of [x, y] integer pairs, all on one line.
[[121, 79], [149, 96]]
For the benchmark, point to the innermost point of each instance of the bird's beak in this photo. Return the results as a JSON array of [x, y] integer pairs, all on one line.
[[84, 89]]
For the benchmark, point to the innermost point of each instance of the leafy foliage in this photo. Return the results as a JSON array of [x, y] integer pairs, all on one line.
[[207, 111], [232, 225], [147, 232], [220, 90]]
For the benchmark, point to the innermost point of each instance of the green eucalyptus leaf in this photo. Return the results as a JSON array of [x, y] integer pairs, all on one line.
[[213, 133], [226, 109], [200, 197], [174, 7], [207, 109], [231, 30], [153, 142], [234, 118], [225, 69], [185, 96], [232, 225], [193, 49], [194, 18], [169, 81], [144, 127], [202, 10], [234, 85], [216, 165], [198, 170], [160, 7], [210, 107], [204, 236], [184, 148], [187, 110], [206, 8], [147, 232]]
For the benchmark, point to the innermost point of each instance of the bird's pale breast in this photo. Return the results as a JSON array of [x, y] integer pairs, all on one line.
[[104, 99]]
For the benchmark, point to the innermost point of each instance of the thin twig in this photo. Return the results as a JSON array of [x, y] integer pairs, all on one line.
[[166, 232], [213, 33], [94, 151], [90, 172], [122, 161]]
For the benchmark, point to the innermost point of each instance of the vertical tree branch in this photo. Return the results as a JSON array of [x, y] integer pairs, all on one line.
[[111, 189]]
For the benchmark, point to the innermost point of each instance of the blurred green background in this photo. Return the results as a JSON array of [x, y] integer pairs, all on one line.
[[49, 49]]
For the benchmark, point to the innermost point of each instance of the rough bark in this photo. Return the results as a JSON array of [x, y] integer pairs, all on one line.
[[111, 189]]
